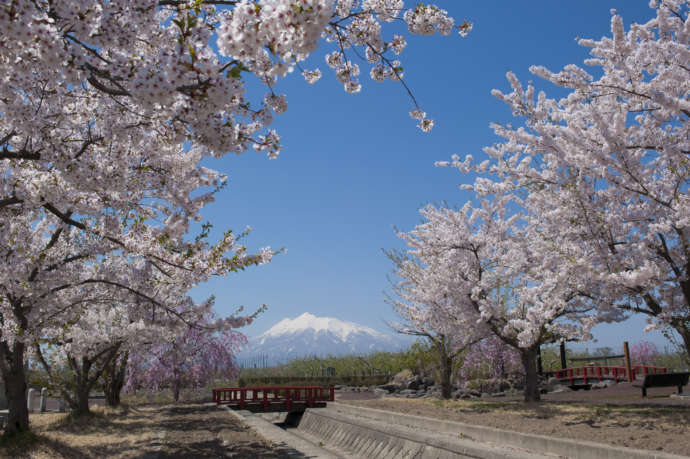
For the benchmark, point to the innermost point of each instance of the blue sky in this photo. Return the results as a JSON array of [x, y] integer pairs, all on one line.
[[354, 167]]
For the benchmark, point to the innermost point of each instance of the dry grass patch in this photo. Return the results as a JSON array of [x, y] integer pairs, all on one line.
[[106, 433]]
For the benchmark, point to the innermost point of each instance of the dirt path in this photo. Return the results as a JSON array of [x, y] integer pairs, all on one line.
[[152, 432], [655, 428], [196, 431]]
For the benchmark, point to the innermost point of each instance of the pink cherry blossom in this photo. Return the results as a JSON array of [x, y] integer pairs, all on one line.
[[194, 356]]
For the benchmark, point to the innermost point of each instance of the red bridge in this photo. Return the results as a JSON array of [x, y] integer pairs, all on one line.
[[587, 375], [274, 398]]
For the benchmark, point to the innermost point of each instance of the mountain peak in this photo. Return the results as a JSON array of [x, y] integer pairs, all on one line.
[[307, 321], [308, 334], [306, 316]]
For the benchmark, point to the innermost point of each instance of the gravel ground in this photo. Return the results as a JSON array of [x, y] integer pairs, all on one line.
[[617, 415]]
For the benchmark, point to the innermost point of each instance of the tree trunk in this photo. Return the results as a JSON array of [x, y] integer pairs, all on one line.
[[529, 362], [112, 394], [446, 375], [684, 333], [114, 379], [445, 364], [82, 401], [82, 388], [85, 379], [14, 377], [176, 392]]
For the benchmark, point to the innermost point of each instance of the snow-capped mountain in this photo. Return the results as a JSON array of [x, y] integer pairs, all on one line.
[[310, 335]]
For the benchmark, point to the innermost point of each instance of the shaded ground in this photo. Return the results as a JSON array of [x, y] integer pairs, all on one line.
[[169, 431], [623, 394], [617, 416], [207, 431]]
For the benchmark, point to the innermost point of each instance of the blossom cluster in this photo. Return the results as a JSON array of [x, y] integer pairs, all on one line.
[[191, 357], [490, 358], [107, 111], [643, 353]]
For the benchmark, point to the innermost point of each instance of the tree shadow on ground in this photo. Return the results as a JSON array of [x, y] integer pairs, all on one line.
[[217, 448]]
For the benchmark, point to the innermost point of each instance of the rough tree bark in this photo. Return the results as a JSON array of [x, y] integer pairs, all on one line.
[[529, 362], [684, 333], [80, 406], [14, 377], [85, 379], [114, 379], [446, 377]]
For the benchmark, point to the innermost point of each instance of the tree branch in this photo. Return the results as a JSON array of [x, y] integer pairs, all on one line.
[[21, 154], [9, 201]]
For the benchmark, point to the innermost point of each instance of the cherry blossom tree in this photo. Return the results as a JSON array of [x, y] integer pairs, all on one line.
[[87, 345], [605, 169], [505, 278], [107, 109], [430, 307], [644, 353], [123, 310], [92, 337], [58, 271], [192, 357]]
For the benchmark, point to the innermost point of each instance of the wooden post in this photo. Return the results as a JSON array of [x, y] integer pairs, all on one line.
[[564, 364], [628, 369]]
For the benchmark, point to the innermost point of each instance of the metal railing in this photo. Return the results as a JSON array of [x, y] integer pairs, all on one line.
[[268, 396], [600, 373]]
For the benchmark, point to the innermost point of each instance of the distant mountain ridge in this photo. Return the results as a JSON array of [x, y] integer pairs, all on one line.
[[311, 335]]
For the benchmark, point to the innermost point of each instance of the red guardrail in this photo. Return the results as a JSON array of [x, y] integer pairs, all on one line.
[[599, 373], [269, 395]]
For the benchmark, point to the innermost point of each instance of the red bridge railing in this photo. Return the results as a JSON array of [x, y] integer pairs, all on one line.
[[271, 395], [599, 373]]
